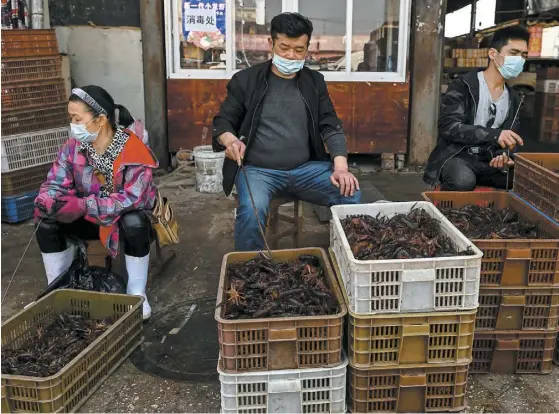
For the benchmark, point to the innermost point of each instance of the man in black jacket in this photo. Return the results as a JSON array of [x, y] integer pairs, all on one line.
[[275, 121], [478, 122]]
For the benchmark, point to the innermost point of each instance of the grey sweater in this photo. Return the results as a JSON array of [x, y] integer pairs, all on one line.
[[281, 141]]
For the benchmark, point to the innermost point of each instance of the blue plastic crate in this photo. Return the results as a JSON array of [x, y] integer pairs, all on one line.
[[16, 209]]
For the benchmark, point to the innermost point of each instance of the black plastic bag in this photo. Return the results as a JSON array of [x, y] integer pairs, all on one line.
[[81, 276]]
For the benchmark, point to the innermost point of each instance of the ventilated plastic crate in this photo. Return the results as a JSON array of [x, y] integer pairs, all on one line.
[[67, 390], [35, 148], [280, 343], [33, 95], [311, 390], [518, 309], [405, 285], [25, 43], [513, 352], [16, 209], [31, 69], [510, 262], [433, 389], [556, 354], [24, 181], [409, 340], [29, 120], [535, 181]]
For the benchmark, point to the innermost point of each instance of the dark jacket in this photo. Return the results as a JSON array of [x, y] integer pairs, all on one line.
[[456, 124], [241, 110]]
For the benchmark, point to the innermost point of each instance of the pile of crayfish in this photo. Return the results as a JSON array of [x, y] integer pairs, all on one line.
[[477, 222], [403, 236], [50, 348], [261, 288]]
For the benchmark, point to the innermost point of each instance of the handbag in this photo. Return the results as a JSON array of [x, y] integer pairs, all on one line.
[[164, 222]]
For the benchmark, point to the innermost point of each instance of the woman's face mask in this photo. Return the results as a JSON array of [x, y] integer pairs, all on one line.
[[81, 134]]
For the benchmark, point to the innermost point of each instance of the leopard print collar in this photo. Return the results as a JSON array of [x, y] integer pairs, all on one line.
[[104, 162]]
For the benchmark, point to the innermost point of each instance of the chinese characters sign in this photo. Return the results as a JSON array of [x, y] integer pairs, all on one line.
[[203, 16], [200, 20]]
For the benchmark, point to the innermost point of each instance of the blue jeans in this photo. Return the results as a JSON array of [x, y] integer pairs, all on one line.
[[309, 182]]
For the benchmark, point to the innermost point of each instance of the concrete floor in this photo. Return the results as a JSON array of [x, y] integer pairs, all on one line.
[[206, 226]]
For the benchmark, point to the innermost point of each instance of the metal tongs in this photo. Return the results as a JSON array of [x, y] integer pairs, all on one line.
[[255, 211]]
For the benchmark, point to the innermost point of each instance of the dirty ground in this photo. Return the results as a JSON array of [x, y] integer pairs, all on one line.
[[188, 286]]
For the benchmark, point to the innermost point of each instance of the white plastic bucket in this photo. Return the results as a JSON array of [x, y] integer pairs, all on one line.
[[209, 164]]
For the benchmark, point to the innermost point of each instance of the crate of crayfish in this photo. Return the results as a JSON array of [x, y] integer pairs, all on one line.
[[536, 180], [57, 352], [403, 257], [520, 246], [283, 313], [408, 340]]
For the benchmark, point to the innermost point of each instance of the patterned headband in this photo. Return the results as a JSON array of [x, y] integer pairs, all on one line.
[[84, 96]]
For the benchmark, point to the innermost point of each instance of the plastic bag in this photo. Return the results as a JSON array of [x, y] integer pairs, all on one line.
[[81, 276]]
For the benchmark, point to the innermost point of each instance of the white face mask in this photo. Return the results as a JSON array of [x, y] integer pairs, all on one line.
[[81, 134]]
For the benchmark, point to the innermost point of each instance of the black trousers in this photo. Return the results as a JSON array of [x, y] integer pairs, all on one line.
[[465, 171], [135, 227]]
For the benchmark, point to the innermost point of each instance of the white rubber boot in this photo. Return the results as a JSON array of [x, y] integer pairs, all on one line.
[[137, 269], [57, 263]]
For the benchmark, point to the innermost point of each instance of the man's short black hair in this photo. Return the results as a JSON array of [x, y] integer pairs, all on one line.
[[291, 25], [501, 37]]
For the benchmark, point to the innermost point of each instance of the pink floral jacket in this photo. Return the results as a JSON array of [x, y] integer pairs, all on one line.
[[72, 175]]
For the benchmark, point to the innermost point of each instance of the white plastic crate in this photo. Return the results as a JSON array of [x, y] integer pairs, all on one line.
[[31, 149], [406, 285], [312, 390]]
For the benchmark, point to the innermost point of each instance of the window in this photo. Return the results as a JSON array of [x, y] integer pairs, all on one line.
[[327, 48], [353, 40], [252, 30]]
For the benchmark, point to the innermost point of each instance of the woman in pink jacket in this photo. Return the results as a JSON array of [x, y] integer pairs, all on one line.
[[97, 188]]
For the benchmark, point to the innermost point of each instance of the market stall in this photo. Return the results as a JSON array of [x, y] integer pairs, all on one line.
[[361, 47]]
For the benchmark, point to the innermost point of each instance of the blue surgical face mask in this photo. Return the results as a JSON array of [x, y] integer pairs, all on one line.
[[512, 66], [287, 66], [81, 134]]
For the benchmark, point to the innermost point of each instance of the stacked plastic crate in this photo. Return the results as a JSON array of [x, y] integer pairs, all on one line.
[[547, 104], [517, 319], [410, 322], [34, 117], [536, 182], [283, 364]]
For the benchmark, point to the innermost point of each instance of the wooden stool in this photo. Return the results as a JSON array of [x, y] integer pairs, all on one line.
[[275, 218], [97, 255]]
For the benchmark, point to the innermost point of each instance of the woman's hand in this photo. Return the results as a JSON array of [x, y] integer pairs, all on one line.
[[68, 209]]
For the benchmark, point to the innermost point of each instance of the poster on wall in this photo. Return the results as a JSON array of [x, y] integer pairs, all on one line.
[[204, 23]]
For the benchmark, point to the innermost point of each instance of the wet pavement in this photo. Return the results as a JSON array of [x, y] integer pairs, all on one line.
[[177, 374]]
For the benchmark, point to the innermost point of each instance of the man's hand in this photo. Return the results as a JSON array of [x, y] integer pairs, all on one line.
[[500, 161], [234, 147], [345, 181], [509, 139], [236, 151]]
